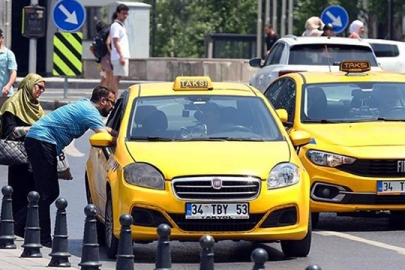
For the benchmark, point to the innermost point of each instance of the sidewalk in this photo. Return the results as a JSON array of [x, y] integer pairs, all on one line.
[[10, 259], [55, 94]]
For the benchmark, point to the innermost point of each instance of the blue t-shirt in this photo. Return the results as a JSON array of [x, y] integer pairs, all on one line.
[[66, 123], [7, 63]]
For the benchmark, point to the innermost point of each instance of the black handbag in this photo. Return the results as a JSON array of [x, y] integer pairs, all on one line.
[[12, 152]]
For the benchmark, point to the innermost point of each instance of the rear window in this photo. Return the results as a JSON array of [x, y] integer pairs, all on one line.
[[332, 54], [385, 50]]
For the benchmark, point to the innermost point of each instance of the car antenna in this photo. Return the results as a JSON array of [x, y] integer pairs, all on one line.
[[327, 54]]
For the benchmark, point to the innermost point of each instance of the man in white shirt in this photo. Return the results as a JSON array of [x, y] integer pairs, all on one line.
[[120, 47]]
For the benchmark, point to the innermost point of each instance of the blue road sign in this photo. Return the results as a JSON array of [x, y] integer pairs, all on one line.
[[68, 15], [337, 16]]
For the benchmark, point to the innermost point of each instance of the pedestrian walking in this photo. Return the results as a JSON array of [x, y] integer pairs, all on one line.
[[51, 134], [100, 48], [120, 46], [8, 68], [356, 29], [328, 30], [313, 26], [271, 37], [17, 114]]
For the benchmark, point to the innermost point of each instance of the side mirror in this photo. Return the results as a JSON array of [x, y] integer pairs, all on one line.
[[255, 62], [101, 139], [282, 114], [300, 138]]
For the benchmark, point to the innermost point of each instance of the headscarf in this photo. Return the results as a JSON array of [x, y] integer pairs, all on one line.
[[355, 26], [22, 103], [312, 26]]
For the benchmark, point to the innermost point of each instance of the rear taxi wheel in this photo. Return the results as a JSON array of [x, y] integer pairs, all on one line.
[[298, 248], [314, 219], [99, 225], [111, 242]]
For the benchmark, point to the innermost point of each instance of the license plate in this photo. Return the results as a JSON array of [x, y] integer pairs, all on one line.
[[390, 187], [217, 210]]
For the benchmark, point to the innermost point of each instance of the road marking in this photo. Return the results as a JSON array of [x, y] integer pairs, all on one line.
[[400, 250], [72, 150]]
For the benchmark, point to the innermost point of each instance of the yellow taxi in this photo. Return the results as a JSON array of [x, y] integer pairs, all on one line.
[[205, 158], [356, 118]]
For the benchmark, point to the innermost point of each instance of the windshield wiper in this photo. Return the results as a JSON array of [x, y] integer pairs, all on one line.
[[150, 138], [390, 119], [324, 121], [240, 139]]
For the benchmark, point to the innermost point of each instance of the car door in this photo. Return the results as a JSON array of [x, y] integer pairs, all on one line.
[[105, 159], [267, 73]]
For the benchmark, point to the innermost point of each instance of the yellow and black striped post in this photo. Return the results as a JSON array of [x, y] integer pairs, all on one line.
[[67, 54]]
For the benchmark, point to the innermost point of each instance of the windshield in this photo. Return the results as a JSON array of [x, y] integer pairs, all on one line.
[[353, 102], [202, 118], [329, 54]]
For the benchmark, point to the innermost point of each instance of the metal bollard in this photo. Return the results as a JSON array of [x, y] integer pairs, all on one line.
[[259, 256], [163, 255], [32, 236], [125, 254], [60, 244], [207, 254], [90, 251], [7, 236]]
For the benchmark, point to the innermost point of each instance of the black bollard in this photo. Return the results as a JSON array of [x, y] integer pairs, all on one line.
[[32, 235], [7, 236], [207, 254], [259, 256], [60, 244], [163, 256], [125, 254], [313, 267], [90, 251]]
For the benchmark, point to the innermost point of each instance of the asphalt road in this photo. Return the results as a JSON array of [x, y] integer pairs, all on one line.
[[338, 243]]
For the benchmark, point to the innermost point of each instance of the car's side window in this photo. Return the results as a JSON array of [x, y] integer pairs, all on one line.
[[115, 118], [275, 54], [274, 90], [286, 100]]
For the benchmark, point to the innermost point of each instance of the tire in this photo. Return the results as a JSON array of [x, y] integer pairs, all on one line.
[[298, 248], [111, 242], [314, 220], [99, 224]]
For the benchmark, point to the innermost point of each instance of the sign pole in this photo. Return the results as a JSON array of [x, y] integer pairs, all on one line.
[[32, 66]]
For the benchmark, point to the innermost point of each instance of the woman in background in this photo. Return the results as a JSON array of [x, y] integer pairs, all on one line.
[[356, 29], [17, 114]]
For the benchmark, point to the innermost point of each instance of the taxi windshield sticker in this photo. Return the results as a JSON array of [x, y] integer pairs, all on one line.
[[355, 66]]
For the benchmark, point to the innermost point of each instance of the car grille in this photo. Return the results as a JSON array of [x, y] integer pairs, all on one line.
[[224, 188], [373, 168], [216, 225]]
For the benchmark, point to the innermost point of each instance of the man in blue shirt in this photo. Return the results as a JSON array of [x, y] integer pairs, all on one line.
[[49, 135], [8, 68]]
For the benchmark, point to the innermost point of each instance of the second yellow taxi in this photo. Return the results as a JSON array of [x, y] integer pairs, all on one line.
[[204, 158], [356, 117]]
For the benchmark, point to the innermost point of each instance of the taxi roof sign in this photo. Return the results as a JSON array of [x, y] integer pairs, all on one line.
[[355, 66], [193, 83]]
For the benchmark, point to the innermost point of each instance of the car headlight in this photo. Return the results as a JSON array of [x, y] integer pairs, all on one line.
[[283, 175], [328, 159], [144, 175]]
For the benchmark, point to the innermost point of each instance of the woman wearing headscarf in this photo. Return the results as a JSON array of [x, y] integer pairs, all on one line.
[[312, 26], [17, 114], [356, 29]]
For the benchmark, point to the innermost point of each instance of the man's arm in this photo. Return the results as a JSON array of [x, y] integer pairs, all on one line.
[[118, 48], [13, 77]]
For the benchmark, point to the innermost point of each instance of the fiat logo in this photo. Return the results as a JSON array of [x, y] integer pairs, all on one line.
[[216, 183]]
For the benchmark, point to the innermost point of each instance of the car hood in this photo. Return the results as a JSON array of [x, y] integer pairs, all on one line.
[[360, 134], [175, 159]]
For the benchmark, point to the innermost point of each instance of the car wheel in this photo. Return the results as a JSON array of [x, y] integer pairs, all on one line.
[[111, 242], [314, 219], [298, 248], [99, 225]]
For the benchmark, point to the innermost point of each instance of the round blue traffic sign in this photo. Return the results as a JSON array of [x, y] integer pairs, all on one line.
[[337, 16], [69, 15]]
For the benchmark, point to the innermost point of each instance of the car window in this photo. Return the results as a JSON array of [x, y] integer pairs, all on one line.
[[201, 118], [115, 117], [385, 50], [353, 102], [275, 54], [286, 99], [274, 90], [331, 54]]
